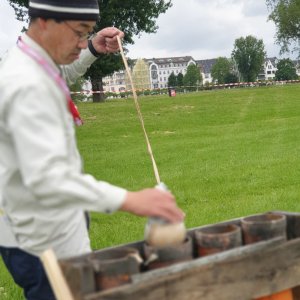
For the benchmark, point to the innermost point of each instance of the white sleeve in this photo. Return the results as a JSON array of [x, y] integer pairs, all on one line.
[[78, 68], [43, 136]]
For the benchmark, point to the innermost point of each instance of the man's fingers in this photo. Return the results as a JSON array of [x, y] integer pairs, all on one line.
[[172, 214], [111, 44], [153, 203], [167, 208]]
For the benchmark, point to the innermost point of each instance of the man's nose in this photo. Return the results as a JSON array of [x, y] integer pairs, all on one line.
[[83, 44]]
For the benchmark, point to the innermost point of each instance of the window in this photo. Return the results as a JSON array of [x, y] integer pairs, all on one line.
[[154, 72]]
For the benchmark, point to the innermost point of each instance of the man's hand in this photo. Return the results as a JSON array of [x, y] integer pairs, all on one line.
[[153, 203], [105, 41]]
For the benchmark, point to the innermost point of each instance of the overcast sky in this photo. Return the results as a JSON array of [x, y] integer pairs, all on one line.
[[201, 28]]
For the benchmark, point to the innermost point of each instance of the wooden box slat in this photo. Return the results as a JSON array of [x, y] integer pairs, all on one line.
[[243, 273]]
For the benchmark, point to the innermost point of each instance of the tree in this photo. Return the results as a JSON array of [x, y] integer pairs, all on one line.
[[180, 79], [76, 88], [249, 54], [286, 16], [131, 16], [193, 76], [172, 80], [220, 69], [231, 78], [286, 70]]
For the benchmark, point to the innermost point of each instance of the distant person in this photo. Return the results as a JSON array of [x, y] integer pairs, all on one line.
[[43, 191]]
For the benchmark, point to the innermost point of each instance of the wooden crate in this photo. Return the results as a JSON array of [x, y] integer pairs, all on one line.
[[243, 273]]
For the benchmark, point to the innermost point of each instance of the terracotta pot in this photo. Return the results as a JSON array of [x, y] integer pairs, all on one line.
[[217, 238], [114, 267], [284, 295], [159, 257], [263, 227]]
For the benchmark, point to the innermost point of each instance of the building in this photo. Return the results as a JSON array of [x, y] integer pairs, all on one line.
[[205, 67], [297, 66], [115, 83], [159, 70], [268, 69]]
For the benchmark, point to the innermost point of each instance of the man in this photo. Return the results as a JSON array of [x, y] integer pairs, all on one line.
[[44, 193]]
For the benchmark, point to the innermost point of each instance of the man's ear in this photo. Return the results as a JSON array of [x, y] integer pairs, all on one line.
[[42, 23]]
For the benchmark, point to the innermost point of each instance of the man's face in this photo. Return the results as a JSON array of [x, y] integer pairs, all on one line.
[[66, 39]]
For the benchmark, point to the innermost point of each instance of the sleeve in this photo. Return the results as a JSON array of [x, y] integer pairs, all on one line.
[[78, 68], [44, 140]]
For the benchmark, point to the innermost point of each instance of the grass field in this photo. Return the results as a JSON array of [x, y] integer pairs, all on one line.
[[224, 154]]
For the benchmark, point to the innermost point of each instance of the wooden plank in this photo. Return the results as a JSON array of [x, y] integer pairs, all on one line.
[[80, 278], [239, 274], [210, 276], [55, 276]]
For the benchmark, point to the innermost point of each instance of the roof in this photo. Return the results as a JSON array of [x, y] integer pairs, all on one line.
[[206, 64], [167, 60]]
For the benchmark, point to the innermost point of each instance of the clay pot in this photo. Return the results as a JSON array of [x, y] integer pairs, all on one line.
[[284, 295], [263, 227], [114, 267], [217, 238], [159, 257]]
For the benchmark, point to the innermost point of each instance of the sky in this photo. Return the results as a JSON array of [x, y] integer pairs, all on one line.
[[203, 29]]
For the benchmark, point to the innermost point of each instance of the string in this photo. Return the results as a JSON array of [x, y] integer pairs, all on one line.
[[139, 112]]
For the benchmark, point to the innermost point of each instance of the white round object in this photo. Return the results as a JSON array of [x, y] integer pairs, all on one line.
[[167, 234]]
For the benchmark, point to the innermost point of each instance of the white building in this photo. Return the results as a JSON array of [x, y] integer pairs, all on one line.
[[297, 66], [115, 82], [161, 68], [268, 69]]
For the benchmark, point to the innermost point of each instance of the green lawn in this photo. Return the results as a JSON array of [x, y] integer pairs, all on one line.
[[224, 154]]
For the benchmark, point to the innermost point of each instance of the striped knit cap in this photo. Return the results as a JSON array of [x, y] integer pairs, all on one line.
[[86, 10]]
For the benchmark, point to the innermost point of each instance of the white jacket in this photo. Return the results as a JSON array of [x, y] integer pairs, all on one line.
[[43, 190]]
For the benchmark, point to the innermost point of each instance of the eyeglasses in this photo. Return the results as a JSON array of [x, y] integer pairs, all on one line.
[[81, 36]]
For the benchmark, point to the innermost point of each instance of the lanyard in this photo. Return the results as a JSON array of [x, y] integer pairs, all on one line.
[[55, 76]]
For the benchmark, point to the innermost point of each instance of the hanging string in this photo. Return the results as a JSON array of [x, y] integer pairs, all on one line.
[[139, 112]]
